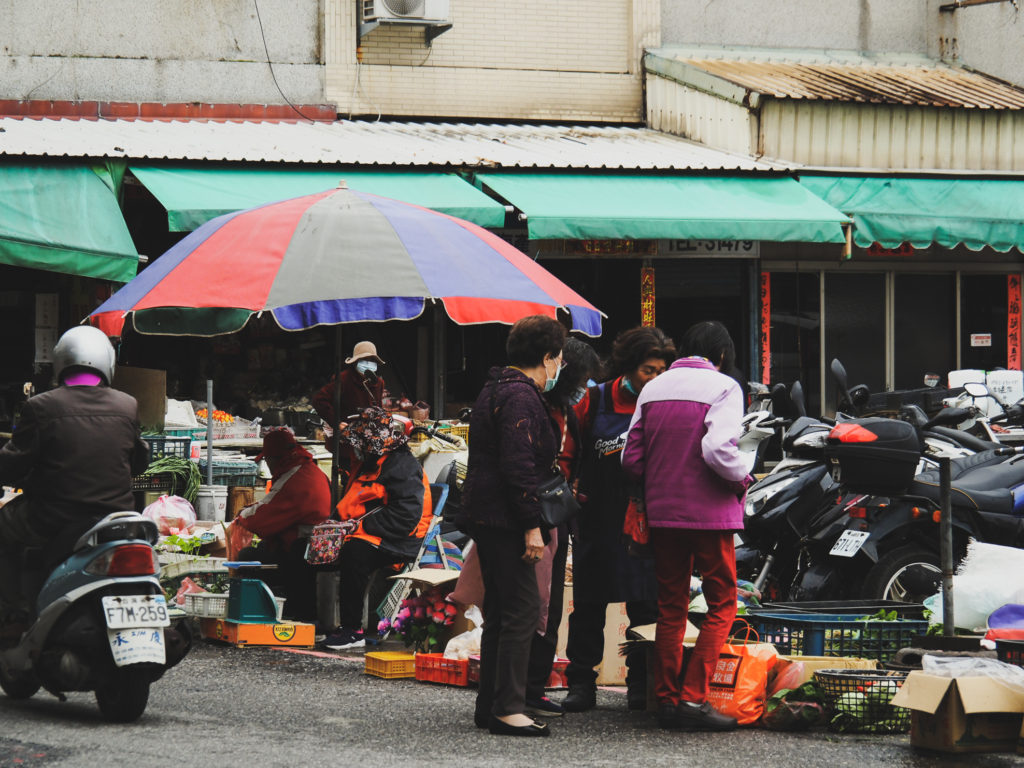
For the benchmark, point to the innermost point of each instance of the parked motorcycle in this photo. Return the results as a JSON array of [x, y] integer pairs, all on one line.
[[101, 622], [796, 514]]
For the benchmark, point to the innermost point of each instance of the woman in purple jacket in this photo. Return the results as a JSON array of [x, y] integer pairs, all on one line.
[[682, 445], [514, 451]]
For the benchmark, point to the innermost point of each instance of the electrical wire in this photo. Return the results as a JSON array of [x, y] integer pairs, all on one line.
[[271, 66]]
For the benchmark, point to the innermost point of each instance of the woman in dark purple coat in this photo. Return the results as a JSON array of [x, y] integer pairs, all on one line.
[[513, 452]]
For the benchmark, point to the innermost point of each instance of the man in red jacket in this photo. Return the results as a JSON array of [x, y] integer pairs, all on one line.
[[300, 495]]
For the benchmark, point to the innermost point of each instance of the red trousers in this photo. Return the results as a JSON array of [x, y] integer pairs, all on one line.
[[677, 554]]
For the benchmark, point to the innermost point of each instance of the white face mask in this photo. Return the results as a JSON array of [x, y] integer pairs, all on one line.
[[366, 365]]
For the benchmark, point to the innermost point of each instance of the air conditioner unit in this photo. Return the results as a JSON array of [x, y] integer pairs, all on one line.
[[406, 11]]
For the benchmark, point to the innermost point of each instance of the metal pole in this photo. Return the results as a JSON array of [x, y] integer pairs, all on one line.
[[336, 407], [209, 431], [946, 547], [440, 361]]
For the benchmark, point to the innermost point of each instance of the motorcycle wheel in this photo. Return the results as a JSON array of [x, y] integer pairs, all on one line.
[[124, 698], [908, 574], [18, 687]]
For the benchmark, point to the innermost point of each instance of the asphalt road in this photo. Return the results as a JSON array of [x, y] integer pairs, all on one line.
[[256, 707]]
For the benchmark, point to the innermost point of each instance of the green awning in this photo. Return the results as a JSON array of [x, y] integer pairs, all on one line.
[[63, 219], [583, 207], [890, 211], [193, 195]]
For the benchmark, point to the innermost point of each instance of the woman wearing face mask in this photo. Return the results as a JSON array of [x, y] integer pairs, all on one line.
[[514, 448], [603, 571], [361, 386], [387, 500]]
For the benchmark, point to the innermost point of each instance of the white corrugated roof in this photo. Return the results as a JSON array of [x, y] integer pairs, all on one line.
[[367, 144]]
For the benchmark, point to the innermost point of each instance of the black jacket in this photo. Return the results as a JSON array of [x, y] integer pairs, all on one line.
[[513, 452], [74, 452]]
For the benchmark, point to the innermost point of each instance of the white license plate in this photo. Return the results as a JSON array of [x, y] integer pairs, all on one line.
[[849, 543], [130, 611], [136, 646]]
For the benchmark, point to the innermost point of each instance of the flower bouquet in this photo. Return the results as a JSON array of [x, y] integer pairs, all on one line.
[[421, 620]]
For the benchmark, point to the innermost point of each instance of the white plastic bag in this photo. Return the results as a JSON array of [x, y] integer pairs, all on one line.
[[982, 583], [973, 666], [468, 643], [173, 515]]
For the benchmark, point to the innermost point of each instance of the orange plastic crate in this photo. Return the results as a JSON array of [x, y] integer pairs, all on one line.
[[390, 665], [435, 668]]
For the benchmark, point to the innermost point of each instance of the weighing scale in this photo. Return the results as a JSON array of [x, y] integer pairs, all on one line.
[[252, 613]]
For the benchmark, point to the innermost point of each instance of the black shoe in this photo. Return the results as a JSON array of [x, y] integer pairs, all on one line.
[[545, 707], [636, 699], [668, 716], [580, 698], [703, 717], [501, 728]]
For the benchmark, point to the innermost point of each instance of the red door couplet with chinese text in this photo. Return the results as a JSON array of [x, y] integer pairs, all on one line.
[[1013, 317], [647, 296], [766, 328]]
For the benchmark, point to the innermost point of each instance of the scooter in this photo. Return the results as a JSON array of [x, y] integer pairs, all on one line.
[[101, 623]]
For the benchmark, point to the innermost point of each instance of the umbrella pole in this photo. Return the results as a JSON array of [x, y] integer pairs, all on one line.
[[209, 431], [440, 361], [336, 407]]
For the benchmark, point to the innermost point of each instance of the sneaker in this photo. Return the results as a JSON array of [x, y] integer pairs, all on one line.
[[545, 707], [703, 717], [580, 698], [344, 638]]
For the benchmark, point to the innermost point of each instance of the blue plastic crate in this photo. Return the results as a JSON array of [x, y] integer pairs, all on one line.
[[234, 473], [831, 634], [164, 445]]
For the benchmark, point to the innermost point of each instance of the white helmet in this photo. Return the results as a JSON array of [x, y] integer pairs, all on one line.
[[84, 347]]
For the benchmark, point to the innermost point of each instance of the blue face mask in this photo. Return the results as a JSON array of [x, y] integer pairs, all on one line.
[[366, 365], [577, 395]]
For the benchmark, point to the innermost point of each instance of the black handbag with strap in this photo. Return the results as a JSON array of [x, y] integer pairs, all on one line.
[[558, 505]]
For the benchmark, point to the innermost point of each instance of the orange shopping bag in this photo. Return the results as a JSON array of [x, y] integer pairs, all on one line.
[[740, 681]]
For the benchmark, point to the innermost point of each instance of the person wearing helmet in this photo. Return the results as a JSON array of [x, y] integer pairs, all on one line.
[[73, 452]]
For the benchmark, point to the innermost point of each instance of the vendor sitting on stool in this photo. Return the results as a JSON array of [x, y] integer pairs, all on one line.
[[300, 495], [388, 498]]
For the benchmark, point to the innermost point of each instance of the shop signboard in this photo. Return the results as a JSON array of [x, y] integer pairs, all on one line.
[[1013, 319], [705, 249]]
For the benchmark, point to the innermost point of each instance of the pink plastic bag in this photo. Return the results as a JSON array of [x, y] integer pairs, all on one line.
[[187, 587], [173, 515]]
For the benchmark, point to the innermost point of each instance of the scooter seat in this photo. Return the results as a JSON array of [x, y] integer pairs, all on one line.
[[980, 482]]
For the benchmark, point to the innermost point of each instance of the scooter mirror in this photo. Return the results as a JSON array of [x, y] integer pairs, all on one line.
[[975, 389], [796, 394], [839, 374], [781, 404]]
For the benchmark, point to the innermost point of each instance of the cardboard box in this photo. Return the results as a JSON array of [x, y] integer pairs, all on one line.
[[149, 387], [612, 670], [812, 664], [964, 714]]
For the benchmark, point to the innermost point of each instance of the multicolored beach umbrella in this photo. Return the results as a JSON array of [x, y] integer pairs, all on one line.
[[337, 257]]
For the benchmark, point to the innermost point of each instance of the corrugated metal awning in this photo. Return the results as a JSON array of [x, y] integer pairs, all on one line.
[[845, 77], [194, 194], [369, 144]]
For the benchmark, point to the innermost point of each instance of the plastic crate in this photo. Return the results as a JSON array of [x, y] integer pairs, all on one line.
[[824, 634], [858, 608], [215, 605], [459, 430], [238, 473], [156, 482], [435, 668], [239, 429], [174, 564], [868, 710], [390, 665], [1010, 651], [163, 445]]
